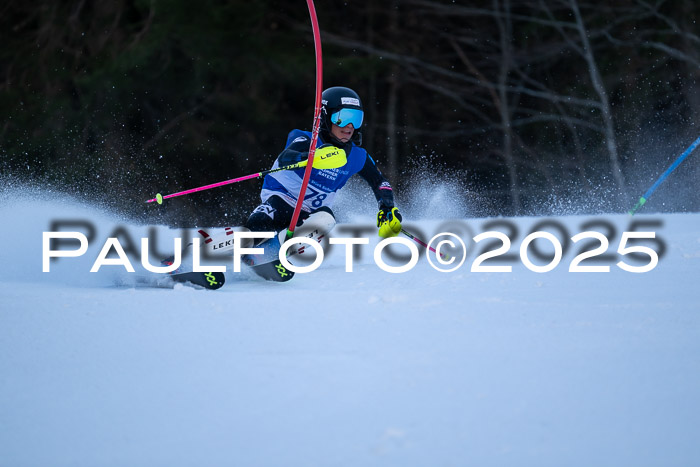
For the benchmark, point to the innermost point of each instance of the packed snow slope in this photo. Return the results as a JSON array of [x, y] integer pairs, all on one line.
[[340, 368]]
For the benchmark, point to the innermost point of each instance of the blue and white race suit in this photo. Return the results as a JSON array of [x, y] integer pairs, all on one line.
[[324, 183]]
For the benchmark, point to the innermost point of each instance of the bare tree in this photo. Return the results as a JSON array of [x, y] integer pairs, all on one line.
[[392, 105]]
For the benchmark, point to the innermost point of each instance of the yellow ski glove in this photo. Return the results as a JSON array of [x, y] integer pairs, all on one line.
[[389, 222]]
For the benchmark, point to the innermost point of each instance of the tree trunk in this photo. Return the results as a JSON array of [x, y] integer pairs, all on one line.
[[606, 111], [505, 30], [392, 106]]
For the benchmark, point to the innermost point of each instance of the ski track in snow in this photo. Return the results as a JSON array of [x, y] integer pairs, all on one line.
[[336, 368]]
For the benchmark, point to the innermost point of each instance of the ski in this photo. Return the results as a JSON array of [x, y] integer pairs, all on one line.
[[273, 271], [208, 280], [267, 265]]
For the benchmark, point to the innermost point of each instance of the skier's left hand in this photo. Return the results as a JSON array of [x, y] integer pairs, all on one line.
[[389, 222]]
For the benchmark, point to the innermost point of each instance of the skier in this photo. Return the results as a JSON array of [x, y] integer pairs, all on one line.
[[341, 118]]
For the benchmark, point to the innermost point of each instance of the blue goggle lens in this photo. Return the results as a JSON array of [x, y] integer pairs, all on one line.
[[344, 117]]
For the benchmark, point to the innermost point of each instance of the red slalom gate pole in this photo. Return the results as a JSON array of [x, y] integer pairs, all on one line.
[[317, 119]]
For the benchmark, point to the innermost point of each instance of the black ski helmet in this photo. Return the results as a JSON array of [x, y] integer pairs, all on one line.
[[333, 100]]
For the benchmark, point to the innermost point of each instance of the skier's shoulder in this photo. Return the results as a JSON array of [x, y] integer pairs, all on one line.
[[298, 136], [357, 156], [358, 152]]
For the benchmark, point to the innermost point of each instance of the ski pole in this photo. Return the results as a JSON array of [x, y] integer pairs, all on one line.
[[159, 198], [331, 160], [422, 243], [663, 176]]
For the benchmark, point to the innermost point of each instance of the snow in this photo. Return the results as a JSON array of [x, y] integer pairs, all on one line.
[[346, 369]]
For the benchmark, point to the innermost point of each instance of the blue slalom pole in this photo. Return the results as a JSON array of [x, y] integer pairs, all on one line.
[[663, 176]]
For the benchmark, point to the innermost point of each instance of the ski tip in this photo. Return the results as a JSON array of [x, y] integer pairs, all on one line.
[[159, 198]]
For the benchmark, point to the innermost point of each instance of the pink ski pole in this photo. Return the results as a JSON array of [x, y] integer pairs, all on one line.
[[333, 158], [159, 198], [423, 244]]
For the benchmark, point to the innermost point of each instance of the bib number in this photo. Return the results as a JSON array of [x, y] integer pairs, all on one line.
[[316, 196]]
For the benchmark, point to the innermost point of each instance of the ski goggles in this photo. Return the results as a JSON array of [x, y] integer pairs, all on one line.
[[344, 117]]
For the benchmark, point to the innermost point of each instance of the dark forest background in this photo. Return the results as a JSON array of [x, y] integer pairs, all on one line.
[[524, 106]]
